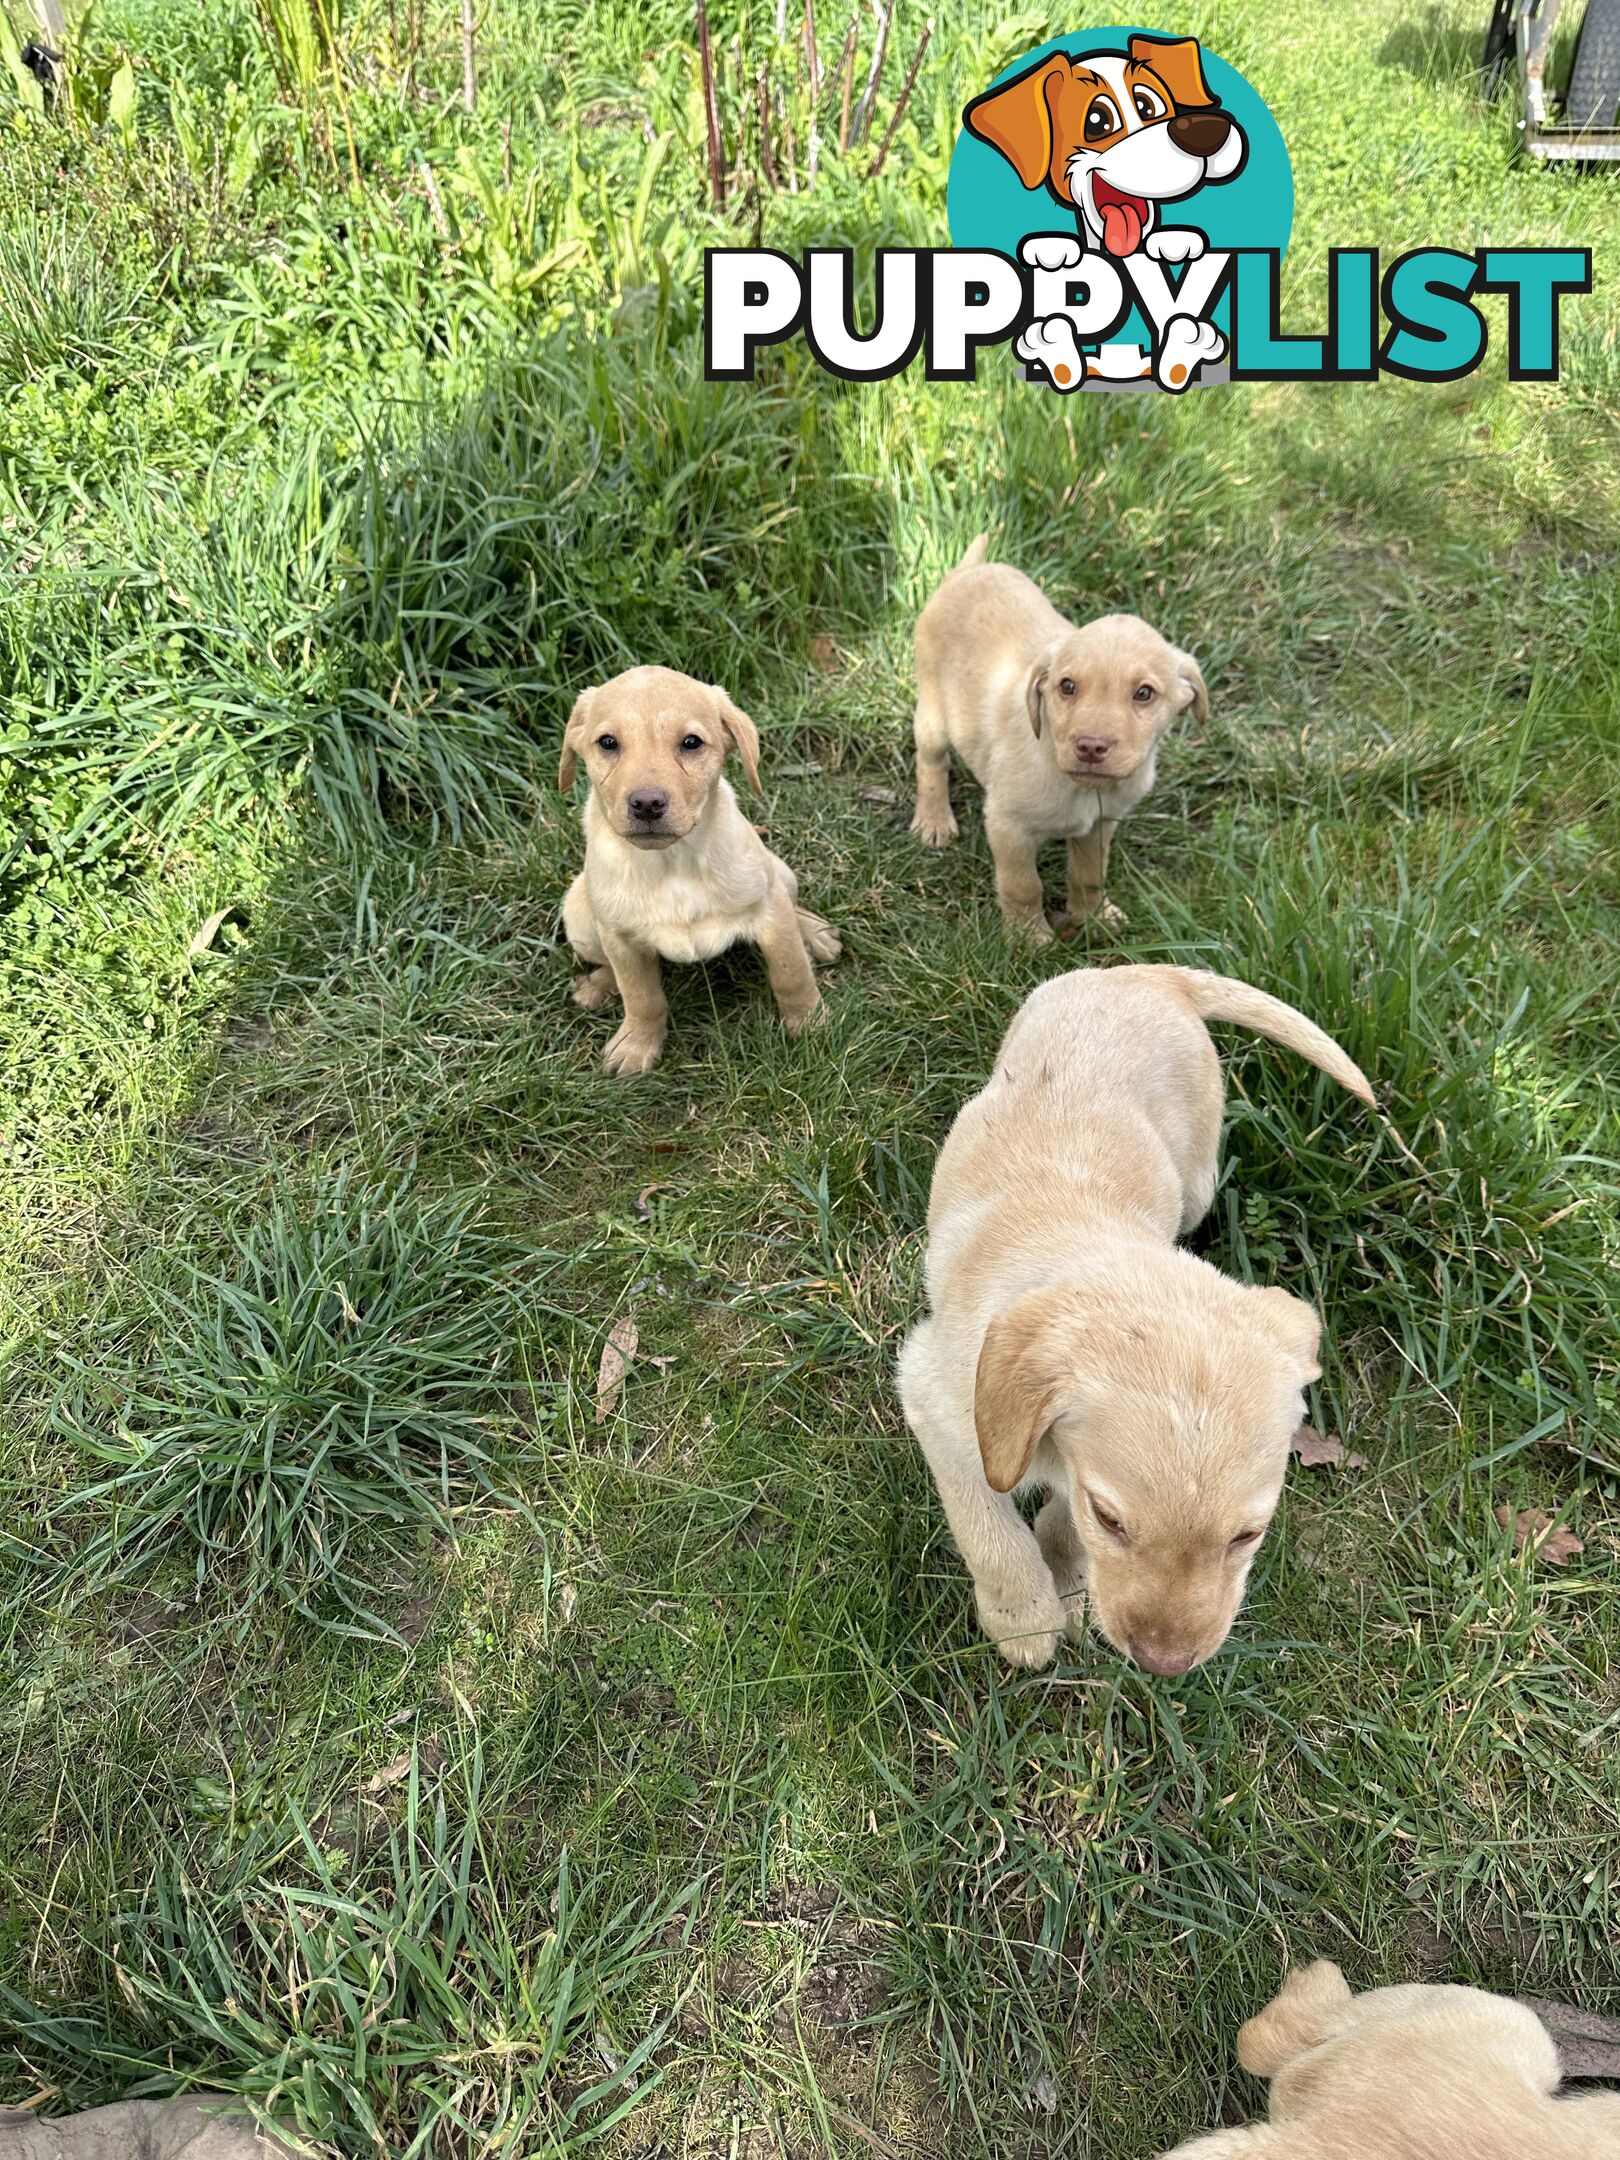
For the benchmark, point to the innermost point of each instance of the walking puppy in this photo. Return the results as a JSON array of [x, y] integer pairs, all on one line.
[[673, 870], [1072, 1347], [1059, 723], [1407, 2073]]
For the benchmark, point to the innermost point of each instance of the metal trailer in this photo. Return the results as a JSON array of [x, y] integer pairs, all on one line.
[[1588, 123]]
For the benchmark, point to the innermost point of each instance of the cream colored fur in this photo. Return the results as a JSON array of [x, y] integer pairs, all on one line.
[[683, 885], [1071, 1347], [1408, 2073], [1019, 692]]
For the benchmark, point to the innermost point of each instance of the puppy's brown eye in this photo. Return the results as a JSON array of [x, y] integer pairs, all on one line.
[[691, 742], [1067, 686], [1149, 105], [607, 742], [1144, 693], [1102, 118], [1111, 1523]]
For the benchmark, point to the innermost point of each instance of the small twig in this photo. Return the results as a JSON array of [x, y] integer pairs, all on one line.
[[469, 56], [506, 155], [436, 203], [767, 164], [905, 93], [846, 68], [863, 111], [812, 58], [711, 108]]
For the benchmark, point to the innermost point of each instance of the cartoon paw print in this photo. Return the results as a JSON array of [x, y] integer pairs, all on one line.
[[1175, 244], [1051, 251], [1187, 345], [1052, 343]]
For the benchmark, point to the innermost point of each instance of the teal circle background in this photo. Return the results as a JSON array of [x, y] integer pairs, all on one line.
[[987, 206]]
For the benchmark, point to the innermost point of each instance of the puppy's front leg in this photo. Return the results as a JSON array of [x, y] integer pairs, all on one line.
[[1018, 878], [1088, 867], [793, 980], [639, 1043]]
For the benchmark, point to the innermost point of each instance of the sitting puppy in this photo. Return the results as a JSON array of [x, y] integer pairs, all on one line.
[[1059, 724], [1072, 1346], [672, 867], [1407, 2073]]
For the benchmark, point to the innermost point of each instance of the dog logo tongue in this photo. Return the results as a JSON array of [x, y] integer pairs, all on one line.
[[1123, 217]]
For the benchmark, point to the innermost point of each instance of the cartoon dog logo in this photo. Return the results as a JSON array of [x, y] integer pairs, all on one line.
[[1111, 136]]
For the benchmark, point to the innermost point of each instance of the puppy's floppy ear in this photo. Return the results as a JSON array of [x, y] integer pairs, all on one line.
[[1035, 696], [1178, 65], [573, 740], [1294, 1326], [1015, 1389], [1191, 678], [742, 735], [1309, 2010], [1016, 119]]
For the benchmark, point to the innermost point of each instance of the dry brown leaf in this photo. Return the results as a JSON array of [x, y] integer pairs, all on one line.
[[1588, 2045], [883, 796], [1316, 1449], [1534, 1527], [206, 932], [617, 1353], [827, 654], [389, 1774]]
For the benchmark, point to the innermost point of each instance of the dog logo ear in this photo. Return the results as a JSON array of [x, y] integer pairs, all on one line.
[[742, 735], [573, 739], [1017, 120], [1179, 66]]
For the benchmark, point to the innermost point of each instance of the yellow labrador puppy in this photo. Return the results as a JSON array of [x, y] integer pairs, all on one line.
[[1059, 723], [1408, 2073], [1073, 1347], [673, 870]]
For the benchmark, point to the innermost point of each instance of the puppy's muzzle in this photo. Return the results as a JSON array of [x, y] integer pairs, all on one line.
[[1167, 1659], [1200, 134], [1090, 752], [647, 810]]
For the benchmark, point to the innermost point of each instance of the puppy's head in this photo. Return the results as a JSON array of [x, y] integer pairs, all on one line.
[[653, 743], [1168, 1398], [1113, 134], [1103, 694], [1309, 2008]]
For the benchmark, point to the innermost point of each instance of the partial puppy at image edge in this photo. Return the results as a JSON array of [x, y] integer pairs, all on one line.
[[1407, 2073]]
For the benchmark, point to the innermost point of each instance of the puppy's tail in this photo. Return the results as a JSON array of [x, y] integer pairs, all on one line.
[[976, 553], [1221, 997]]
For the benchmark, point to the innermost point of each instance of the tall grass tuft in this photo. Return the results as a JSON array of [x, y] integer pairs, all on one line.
[[422, 2003], [251, 1413]]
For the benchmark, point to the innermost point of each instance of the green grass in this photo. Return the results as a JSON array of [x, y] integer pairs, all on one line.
[[386, 1735]]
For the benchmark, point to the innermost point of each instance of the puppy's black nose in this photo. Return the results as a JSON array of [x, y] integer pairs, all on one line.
[[648, 806], [1092, 749], [1200, 134]]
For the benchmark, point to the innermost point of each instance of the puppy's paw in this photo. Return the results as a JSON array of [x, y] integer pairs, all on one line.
[[821, 940], [632, 1050], [594, 991], [1175, 244], [1030, 929], [1187, 346], [1051, 251], [935, 830], [1104, 916], [1051, 343], [797, 1017], [1027, 1633]]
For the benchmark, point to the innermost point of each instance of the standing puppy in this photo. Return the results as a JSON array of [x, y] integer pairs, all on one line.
[[1059, 724], [673, 869], [1407, 2073], [1072, 1347]]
